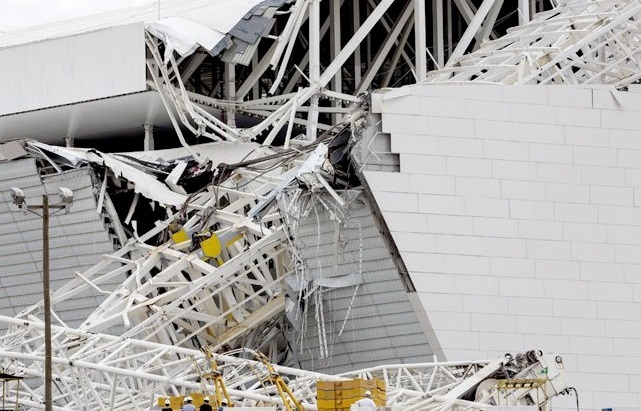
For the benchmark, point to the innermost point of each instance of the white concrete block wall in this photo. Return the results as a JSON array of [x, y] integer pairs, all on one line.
[[517, 210]]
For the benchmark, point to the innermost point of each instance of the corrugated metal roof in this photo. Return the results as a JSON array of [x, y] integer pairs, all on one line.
[[382, 326]]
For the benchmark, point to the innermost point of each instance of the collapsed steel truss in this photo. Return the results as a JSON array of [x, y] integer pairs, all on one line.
[[179, 295]]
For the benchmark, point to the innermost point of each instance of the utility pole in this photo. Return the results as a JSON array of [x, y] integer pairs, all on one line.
[[66, 199]]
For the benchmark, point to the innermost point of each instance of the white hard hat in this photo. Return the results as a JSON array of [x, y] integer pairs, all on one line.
[[368, 394], [167, 402], [224, 401], [206, 399], [188, 399]]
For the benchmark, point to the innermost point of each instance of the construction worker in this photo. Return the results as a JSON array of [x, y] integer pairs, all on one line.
[[167, 406], [188, 406], [367, 402], [223, 404], [205, 406]]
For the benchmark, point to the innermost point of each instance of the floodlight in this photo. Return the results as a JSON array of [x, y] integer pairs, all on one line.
[[17, 195]]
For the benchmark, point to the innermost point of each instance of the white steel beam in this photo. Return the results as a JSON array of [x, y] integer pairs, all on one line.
[[420, 39]]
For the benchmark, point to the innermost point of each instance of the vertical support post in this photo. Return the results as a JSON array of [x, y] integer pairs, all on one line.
[[230, 90], [524, 12], [420, 40], [47, 301], [335, 35], [148, 144], [356, 12], [314, 67], [69, 141], [438, 32]]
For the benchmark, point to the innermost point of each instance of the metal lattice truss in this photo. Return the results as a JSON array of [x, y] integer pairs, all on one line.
[[578, 42]]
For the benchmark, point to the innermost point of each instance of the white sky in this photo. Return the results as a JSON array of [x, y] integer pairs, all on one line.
[[24, 13]]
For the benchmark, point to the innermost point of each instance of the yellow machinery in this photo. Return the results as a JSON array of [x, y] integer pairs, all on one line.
[[340, 395], [273, 377]]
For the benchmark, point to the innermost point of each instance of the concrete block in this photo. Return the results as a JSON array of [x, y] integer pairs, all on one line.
[[559, 173], [629, 158], [637, 197], [403, 123], [569, 193], [504, 247], [494, 227], [501, 341], [547, 342], [424, 262], [436, 283], [622, 120], [576, 213], [426, 184], [421, 164], [562, 270], [549, 153], [628, 254], [593, 252], [589, 233], [439, 204], [619, 215], [522, 287], [632, 273], [478, 187], [512, 267], [542, 230], [566, 290], [514, 170], [544, 132], [531, 210], [611, 310], [538, 324], [460, 147], [400, 202], [525, 94], [488, 304], [574, 308], [608, 291], [616, 100], [524, 306], [595, 156], [410, 143], [568, 96], [573, 116], [486, 207], [469, 167], [406, 222], [438, 302], [487, 110], [612, 195], [511, 131], [415, 242], [531, 113], [625, 139], [442, 107], [586, 136], [447, 224], [633, 177], [451, 127], [629, 348], [450, 321], [604, 176], [459, 339], [476, 284], [466, 92], [551, 250], [409, 105], [459, 244], [620, 234], [499, 323], [589, 327], [523, 190], [505, 150], [594, 271], [465, 264], [623, 329], [390, 182]]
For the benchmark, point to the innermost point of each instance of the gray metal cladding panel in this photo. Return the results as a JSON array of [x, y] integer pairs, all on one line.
[[92, 65], [381, 326], [78, 240]]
